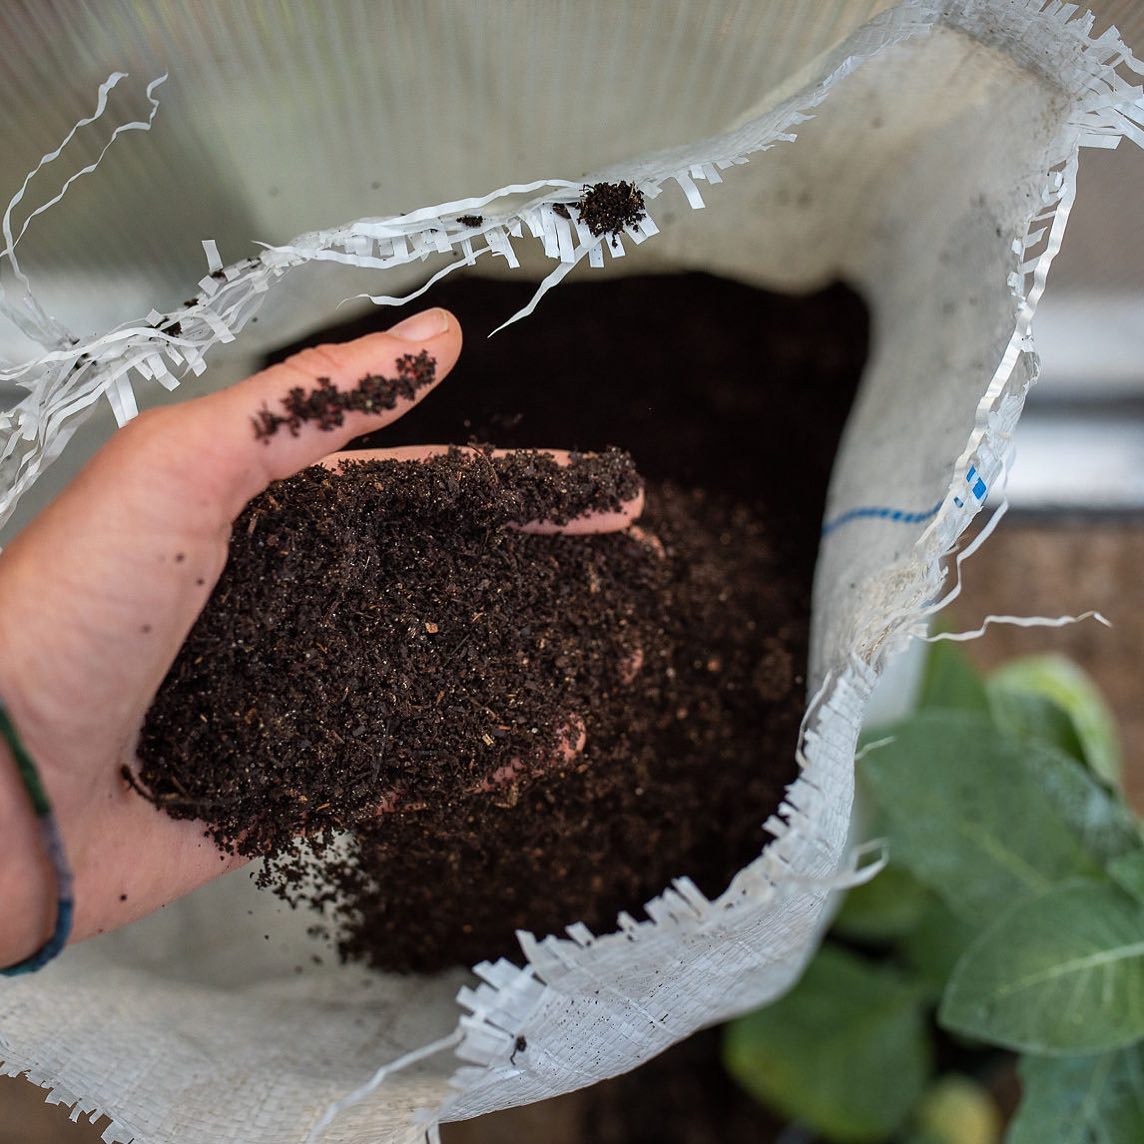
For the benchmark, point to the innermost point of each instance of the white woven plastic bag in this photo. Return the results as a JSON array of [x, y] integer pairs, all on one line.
[[926, 151]]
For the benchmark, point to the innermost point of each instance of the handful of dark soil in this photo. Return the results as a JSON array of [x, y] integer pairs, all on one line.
[[384, 636], [319, 669], [388, 654]]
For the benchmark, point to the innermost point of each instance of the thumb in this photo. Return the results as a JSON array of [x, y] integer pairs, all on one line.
[[221, 450], [117, 569]]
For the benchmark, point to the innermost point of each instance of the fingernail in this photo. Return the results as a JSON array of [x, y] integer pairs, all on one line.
[[421, 327]]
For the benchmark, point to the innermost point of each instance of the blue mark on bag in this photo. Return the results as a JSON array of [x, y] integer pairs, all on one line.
[[977, 487]]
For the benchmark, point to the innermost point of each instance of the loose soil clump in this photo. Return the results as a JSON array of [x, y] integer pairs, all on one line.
[[383, 642], [607, 208]]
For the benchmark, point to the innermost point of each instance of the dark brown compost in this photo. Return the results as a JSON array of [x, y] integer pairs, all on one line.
[[522, 731]]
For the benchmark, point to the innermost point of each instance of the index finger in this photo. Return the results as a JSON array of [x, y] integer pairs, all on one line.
[[594, 521]]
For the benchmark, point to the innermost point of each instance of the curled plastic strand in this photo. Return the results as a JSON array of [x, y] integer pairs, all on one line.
[[359, 1094], [856, 874], [961, 557], [551, 280], [861, 872], [10, 241], [1017, 622], [390, 300], [914, 623], [876, 745]]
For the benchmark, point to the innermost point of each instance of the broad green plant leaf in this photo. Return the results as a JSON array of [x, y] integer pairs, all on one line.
[[1127, 872], [951, 682], [1063, 973], [846, 1052], [1081, 1100], [1096, 814], [884, 909], [1036, 717], [966, 817], [1071, 711]]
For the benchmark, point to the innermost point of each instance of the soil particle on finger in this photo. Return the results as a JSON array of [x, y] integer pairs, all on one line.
[[327, 405]]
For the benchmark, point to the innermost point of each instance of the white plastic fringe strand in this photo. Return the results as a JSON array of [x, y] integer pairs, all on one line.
[[1016, 622], [359, 1094]]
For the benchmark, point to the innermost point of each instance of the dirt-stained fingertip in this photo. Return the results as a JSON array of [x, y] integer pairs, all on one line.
[[326, 405]]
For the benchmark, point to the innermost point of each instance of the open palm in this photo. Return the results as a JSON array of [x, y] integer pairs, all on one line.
[[100, 591]]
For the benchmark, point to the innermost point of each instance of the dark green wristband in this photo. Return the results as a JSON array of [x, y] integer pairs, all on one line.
[[53, 844]]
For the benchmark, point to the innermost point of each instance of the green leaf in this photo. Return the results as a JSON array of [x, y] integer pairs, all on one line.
[[966, 817], [1081, 1100], [935, 945], [951, 682], [1071, 712], [1098, 817], [1036, 717], [885, 909], [1062, 973], [1127, 871], [845, 1052]]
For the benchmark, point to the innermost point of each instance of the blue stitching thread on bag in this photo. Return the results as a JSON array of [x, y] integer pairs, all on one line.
[[977, 487]]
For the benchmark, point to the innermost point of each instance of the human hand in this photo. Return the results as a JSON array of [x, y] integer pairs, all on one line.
[[100, 591]]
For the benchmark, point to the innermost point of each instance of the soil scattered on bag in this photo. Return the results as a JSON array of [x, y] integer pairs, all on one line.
[[606, 208], [386, 640]]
